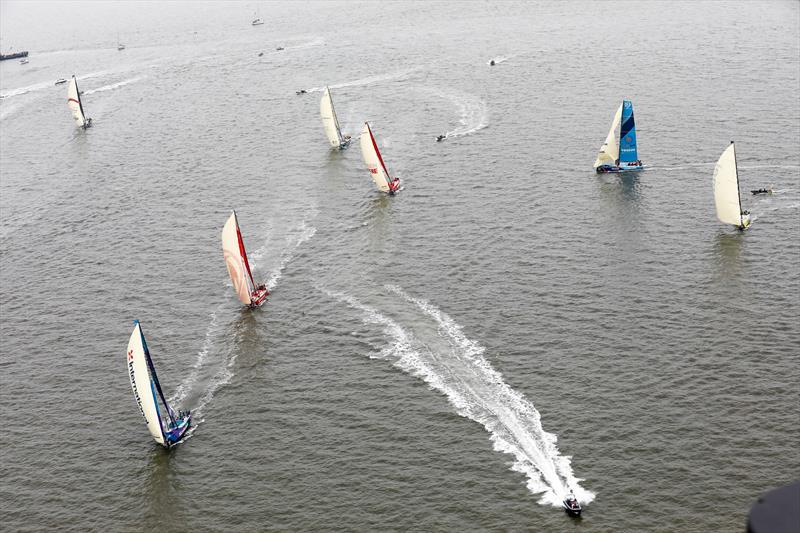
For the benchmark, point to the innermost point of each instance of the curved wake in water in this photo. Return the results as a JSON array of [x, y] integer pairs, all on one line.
[[474, 115], [366, 81], [478, 392]]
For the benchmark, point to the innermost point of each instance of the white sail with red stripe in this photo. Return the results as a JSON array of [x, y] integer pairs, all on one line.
[[74, 103], [236, 260], [374, 161]]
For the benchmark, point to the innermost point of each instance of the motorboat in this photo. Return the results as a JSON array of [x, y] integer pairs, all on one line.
[[571, 505]]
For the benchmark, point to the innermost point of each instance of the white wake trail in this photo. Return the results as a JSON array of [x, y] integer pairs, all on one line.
[[366, 81], [113, 86], [478, 392], [473, 113]]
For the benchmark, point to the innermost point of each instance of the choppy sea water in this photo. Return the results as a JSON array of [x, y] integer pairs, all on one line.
[[451, 358]]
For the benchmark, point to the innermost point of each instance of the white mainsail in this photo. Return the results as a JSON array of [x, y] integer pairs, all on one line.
[[329, 120], [726, 188], [142, 384], [609, 152], [236, 260], [373, 160], [74, 102]]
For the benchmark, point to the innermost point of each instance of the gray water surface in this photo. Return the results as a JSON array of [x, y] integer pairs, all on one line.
[[452, 358]]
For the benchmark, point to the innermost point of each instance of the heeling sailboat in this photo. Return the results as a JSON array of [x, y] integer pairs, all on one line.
[[374, 161], [727, 197], [620, 155], [166, 430], [331, 123], [238, 266], [74, 103]]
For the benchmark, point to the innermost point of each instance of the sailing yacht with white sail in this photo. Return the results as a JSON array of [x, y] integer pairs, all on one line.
[[331, 123], [620, 155], [727, 197], [166, 430], [74, 103], [374, 161], [238, 266]]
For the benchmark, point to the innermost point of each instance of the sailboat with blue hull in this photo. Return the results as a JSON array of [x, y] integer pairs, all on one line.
[[620, 153], [166, 427]]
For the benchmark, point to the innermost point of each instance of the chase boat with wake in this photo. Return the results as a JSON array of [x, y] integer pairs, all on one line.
[[571, 505]]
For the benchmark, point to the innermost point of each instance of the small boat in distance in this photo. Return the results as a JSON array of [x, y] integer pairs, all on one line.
[[166, 430], [120, 46], [374, 161], [331, 123], [74, 103], [23, 61], [257, 22], [238, 266], [571, 505], [620, 156], [768, 190], [14, 55], [727, 198], [59, 81]]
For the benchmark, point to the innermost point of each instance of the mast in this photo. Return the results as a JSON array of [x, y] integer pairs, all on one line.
[[378, 152], [154, 375], [80, 103], [738, 192], [333, 112]]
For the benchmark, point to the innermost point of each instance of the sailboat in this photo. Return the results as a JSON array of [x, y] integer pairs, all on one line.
[[74, 103], [239, 267], [374, 161], [331, 123], [120, 46], [257, 20], [166, 430], [726, 190], [620, 156]]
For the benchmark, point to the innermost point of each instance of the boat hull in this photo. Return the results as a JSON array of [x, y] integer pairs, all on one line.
[[174, 435], [608, 169], [258, 297]]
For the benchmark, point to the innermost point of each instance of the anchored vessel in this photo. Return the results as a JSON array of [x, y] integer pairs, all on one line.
[[620, 156], [727, 198], [238, 266], [15, 55], [374, 161], [74, 103], [331, 123], [166, 430]]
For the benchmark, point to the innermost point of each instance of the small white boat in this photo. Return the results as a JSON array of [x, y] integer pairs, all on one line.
[[23, 61], [59, 81], [166, 430], [235, 255], [257, 22], [75, 104], [120, 46], [374, 161], [331, 123], [727, 198]]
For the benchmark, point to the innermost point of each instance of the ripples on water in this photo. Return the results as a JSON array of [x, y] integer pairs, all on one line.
[[607, 332]]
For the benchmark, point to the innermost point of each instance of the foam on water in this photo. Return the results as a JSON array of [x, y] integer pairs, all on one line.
[[366, 81], [113, 86], [478, 392], [473, 113]]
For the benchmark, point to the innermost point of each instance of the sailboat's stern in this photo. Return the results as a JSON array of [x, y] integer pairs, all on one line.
[[258, 296], [176, 432]]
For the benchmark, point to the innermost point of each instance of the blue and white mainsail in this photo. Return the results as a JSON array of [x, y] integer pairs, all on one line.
[[627, 135], [147, 390]]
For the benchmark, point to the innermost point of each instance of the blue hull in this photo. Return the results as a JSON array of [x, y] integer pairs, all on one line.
[[174, 435]]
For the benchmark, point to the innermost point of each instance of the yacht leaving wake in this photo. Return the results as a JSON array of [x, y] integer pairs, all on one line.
[[478, 392]]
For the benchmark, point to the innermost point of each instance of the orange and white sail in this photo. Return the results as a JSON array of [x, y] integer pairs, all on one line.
[[236, 260], [374, 161]]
